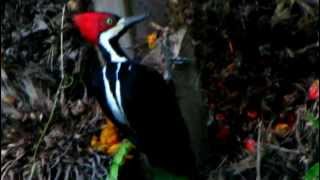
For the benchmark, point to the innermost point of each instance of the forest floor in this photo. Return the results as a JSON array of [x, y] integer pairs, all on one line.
[[257, 66]]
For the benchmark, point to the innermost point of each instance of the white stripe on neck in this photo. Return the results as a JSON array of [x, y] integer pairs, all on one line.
[[116, 110], [105, 38], [114, 101], [118, 89]]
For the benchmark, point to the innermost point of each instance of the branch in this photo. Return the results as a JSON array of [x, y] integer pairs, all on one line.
[[61, 51], [258, 166], [282, 149], [61, 43]]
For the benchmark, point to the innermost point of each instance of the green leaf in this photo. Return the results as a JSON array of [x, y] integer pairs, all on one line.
[[312, 119], [312, 173], [119, 159]]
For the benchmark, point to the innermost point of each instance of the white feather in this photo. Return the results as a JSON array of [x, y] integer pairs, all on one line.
[[114, 102], [116, 111], [118, 89], [104, 40]]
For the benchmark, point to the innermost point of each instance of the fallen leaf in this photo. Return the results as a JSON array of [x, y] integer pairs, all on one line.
[[10, 100], [108, 140], [152, 40], [282, 129]]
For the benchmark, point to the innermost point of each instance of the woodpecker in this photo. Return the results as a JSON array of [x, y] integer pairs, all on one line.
[[136, 98]]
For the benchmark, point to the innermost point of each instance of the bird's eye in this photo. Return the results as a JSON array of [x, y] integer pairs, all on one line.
[[109, 21]]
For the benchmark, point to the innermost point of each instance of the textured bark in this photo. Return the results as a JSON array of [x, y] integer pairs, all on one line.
[[186, 77], [187, 81]]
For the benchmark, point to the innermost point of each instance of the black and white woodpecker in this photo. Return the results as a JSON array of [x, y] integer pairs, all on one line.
[[135, 97]]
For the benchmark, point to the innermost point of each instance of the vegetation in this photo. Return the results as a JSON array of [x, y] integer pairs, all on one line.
[[257, 61]]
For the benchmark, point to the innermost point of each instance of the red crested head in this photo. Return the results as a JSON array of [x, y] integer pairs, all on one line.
[[92, 24]]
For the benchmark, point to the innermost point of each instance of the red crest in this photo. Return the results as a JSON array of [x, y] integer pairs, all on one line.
[[92, 24]]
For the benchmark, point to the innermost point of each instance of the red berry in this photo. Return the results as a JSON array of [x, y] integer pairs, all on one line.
[[223, 133], [220, 117], [252, 114], [313, 93], [250, 145]]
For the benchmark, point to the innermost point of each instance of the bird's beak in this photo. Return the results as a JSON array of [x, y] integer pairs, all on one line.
[[133, 20], [128, 22]]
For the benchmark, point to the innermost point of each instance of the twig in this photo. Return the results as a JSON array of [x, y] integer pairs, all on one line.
[[61, 155], [5, 168], [9, 165], [94, 169], [242, 166], [61, 43], [50, 57], [11, 175], [258, 166], [157, 26], [58, 173], [77, 174], [67, 172], [61, 51], [297, 130], [308, 47], [222, 162], [43, 133], [165, 48], [282, 149], [49, 121], [33, 167], [40, 172], [49, 173], [315, 107]]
